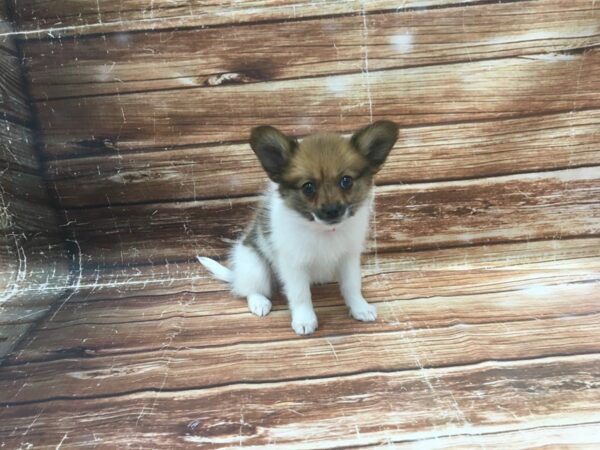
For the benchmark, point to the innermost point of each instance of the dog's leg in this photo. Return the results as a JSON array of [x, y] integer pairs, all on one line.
[[252, 279], [350, 285], [296, 285]]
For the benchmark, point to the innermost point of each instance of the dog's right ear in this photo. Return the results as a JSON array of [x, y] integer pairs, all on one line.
[[274, 150]]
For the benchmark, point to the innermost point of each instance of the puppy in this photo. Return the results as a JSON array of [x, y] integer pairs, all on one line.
[[312, 223]]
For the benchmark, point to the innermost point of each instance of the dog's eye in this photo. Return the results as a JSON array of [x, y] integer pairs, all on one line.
[[346, 182], [309, 189]]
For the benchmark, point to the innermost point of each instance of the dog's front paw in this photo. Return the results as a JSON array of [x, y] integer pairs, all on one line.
[[259, 304], [364, 312], [304, 321]]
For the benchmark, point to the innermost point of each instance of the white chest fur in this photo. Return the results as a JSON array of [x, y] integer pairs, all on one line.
[[313, 247]]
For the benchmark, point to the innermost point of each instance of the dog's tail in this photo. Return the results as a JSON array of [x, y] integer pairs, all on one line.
[[219, 271]]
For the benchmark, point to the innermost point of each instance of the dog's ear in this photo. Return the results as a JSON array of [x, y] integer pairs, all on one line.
[[273, 148], [375, 141]]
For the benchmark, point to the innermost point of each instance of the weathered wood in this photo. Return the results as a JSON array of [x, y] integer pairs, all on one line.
[[58, 18], [22, 314], [34, 273], [419, 216], [6, 27], [10, 335], [13, 101], [26, 186], [396, 347], [417, 96], [364, 408], [34, 266], [24, 203], [136, 62], [189, 278], [16, 143], [443, 152], [549, 436], [15, 323], [406, 301]]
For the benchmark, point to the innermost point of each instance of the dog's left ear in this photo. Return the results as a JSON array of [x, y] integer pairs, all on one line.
[[375, 141]]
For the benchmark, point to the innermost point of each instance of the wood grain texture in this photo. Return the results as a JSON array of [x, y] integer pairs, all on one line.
[[419, 216], [481, 398], [14, 105], [118, 310], [432, 153], [181, 278], [484, 261], [135, 345], [34, 266], [139, 62], [57, 18], [392, 344], [216, 319], [16, 142], [417, 96], [6, 27]]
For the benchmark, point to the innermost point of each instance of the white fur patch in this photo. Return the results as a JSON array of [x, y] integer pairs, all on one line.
[[301, 253]]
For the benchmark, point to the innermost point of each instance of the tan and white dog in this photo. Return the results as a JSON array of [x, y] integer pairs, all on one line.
[[312, 223]]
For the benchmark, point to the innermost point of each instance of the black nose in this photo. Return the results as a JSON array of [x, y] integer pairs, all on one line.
[[332, 211]]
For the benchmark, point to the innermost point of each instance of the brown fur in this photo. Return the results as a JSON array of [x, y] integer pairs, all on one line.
[[323, 159]]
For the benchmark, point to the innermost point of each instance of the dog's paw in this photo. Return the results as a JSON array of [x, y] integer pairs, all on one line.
[[304, 321], [259, 304], [364, 312]]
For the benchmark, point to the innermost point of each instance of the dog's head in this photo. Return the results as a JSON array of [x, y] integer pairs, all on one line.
[[326, 177]]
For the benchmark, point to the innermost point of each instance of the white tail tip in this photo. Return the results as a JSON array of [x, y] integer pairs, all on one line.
[[219, 271]]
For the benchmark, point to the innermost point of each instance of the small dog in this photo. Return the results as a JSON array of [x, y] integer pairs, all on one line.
[[312, 223]]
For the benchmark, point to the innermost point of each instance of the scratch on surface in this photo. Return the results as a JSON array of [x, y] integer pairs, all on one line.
[[458, 412], [365, 68], [33, 422], [61, 441], [77, 284], [332, 349], [578, 81], [8, 224], [427, 379], [166, 349]]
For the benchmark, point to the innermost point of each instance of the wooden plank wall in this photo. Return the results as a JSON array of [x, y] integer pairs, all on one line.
[[145, 126], [485, 256], [33, 264]]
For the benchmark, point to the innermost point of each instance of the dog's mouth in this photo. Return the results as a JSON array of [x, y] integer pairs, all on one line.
[[331, 222]]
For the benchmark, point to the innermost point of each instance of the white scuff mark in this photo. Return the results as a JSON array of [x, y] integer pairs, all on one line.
[[167, 348], [375, 245], [33, 422], [122, 38], [7, 222], [537, 290], [583, 173], [188, 81], [578, 32], [79, 273], [228, 78], [428, 375], [365, 59], [332, 350], [551, 57], [63, 440], [337, 84], [402, 42], [578, 81]]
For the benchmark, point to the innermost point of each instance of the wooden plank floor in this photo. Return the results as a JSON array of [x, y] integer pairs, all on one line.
[[484, 257], [475, 346]]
